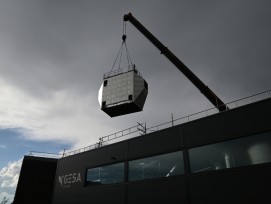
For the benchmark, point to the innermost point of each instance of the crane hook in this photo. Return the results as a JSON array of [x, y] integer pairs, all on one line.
[[124, 38]]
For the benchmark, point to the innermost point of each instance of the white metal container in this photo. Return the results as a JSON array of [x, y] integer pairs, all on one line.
[[123, 92]]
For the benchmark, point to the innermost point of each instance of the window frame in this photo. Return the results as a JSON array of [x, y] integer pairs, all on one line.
[[243, 139], [181, 151], [88, 183]]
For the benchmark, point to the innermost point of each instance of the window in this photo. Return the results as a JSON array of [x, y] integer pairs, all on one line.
[[239, 152], [106, 174], [105, 83], [165, 165]]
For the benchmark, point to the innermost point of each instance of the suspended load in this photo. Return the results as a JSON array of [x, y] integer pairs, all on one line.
[[123, 92]]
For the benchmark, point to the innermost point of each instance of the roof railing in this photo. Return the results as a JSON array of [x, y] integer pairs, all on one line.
[[141, 128], [119, 71], [45, 154], [113, 73]]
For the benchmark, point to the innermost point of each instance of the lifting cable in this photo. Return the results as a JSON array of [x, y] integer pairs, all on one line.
[[120, 52]]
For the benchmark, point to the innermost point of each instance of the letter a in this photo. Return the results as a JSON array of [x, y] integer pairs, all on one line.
[[79, 177]]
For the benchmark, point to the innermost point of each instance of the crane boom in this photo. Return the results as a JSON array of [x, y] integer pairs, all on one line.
[[208, 93]]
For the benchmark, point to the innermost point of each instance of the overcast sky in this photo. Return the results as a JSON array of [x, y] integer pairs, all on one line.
[[53, 54]]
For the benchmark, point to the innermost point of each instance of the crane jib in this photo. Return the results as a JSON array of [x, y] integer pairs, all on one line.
[[205, 90]]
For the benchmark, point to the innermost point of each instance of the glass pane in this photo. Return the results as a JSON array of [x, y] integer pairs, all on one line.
[[239, 152], [106, 174], [165, 165]]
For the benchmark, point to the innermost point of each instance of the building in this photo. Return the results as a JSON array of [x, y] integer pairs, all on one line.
[[221, 158], [36, 181]]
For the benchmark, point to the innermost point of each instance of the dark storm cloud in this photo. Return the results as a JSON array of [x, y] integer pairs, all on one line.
[[54, 45], [227, 45], [71, 36]]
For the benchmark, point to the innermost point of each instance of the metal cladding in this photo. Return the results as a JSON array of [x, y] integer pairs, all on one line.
[[123, 93], [36, 181]]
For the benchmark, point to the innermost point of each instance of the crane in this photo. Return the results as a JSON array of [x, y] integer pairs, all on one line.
[[205, 90]]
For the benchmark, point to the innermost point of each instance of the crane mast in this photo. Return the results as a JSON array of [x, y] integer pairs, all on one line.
[[208, 93]]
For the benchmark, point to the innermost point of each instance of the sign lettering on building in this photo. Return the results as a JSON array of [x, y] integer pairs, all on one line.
[[68, 179]]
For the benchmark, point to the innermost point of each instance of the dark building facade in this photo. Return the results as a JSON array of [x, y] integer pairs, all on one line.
[[222, 158], [36, 181]]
